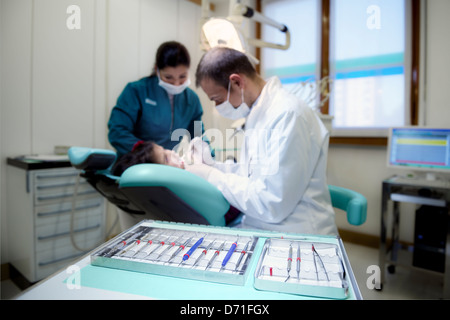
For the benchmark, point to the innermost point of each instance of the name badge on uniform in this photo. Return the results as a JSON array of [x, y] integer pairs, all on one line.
[[149, 101]]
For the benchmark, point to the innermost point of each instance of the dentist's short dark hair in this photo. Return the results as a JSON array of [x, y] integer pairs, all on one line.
[[219, 63]]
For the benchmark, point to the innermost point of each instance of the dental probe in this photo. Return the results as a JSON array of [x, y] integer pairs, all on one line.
[[134, 244], [298, 261], [149, 243], [162, 243], [315, 264], [180, 248], [203, 254], [216, 253], [173, 243], [289, 263], [342, 264], [321, 262], [122, 244], [229, 254], [243, 252], [187, 255]]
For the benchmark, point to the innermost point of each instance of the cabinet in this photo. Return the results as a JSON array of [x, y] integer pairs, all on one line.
[[422, 192], [45, 234]]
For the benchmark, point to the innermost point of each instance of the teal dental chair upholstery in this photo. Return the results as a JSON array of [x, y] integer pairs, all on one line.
[[352, 202], [164, 192]]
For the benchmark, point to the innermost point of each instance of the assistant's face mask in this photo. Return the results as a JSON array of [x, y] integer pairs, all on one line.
[[171, 89], [227, 110]]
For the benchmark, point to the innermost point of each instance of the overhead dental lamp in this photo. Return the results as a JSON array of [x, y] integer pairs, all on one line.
[[226, 32], [222, 32]]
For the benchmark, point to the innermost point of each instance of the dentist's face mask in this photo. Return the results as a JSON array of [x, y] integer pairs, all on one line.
[[227, 110], [172, 89]]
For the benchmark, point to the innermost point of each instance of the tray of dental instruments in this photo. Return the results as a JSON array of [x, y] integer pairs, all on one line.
[[302, 267], [180, 251]]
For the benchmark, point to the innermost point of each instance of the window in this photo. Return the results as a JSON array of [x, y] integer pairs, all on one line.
[[367, 65], [300, 62], [364, 46]]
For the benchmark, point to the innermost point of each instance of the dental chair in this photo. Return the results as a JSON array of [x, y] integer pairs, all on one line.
[[352, 202], [173, 194], [165, 192]]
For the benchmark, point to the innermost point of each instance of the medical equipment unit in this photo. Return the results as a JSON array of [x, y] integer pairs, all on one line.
[[423, 155], [179, 252], [299, 265], [302, 267], [419, 149], [165, 192], [227, 32]]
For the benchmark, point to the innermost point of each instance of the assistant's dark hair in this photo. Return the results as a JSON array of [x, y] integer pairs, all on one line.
[[221, 62], [143, 153], [172, 54]]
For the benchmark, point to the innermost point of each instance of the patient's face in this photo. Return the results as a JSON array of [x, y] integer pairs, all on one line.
[[167, 157]]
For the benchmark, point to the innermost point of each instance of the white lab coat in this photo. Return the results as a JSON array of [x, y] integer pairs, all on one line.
[[280, 180]]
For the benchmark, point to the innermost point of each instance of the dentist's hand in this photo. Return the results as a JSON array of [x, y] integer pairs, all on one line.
[[200, 152], [201, 170]]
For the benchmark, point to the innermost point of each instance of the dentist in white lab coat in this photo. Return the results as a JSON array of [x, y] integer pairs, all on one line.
[[280, 181]]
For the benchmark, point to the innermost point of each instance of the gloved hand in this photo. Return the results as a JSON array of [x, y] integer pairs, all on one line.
[[201, 170], [200, 152]]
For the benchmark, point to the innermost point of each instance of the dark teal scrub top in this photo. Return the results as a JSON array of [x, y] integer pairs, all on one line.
[[144, 112]]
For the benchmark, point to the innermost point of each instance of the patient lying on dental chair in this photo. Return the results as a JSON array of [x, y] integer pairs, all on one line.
[[150, 152], [147, 152]]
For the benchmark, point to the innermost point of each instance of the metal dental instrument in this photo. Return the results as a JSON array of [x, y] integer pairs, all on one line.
[[162, 243], [321, 262], [116, 248], [315, 265], [122, 244], [216, 253], [342, 264], [134, 244], [289, 263], [229, 254], [298, 261], [149, 243], [203, 254], [243, 252], [187, 255], [172, 244], [180, 248], [119, 246]]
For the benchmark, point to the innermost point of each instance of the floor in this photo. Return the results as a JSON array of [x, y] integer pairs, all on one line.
[[405, 284]]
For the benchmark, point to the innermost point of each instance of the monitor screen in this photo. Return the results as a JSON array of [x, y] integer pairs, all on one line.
[[419, 148]]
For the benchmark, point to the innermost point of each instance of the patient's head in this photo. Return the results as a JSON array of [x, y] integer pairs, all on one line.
[[147, 152]]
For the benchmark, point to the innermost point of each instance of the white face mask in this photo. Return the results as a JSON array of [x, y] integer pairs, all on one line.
[[171, 89], [227, 110]]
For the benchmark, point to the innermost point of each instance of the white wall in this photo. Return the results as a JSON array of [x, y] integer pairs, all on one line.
[[437, 111]]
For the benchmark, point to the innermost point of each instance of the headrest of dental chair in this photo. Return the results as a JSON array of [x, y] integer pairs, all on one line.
[[90, 159]]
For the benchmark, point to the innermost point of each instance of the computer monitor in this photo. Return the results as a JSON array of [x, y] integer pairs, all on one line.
[[419, 148]]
